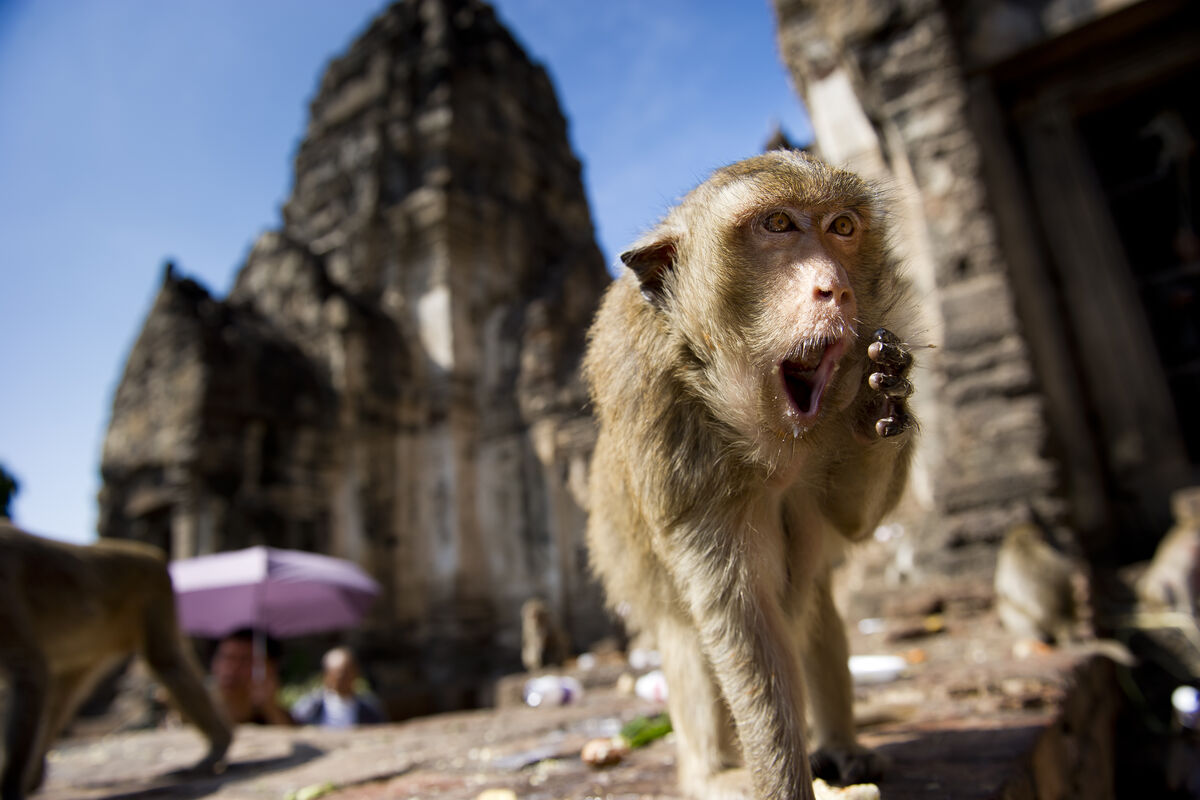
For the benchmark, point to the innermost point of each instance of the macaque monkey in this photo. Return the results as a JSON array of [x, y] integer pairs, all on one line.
[[1038, 587], [749, 375], [68, 615], [543, 641], [1172, 582]]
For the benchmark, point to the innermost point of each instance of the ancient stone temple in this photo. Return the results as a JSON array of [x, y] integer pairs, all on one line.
[[1043, 156], [393, 377]]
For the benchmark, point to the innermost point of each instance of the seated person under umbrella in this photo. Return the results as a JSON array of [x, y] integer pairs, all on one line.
[[336, 703], [248, 697]]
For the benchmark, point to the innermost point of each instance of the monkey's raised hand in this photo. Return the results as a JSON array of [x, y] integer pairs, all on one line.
[[890, 362]]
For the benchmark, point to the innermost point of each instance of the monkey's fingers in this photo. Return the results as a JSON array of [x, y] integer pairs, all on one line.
[[891, 426], [889, 385], [893, 419], [886, 336], [890, 355]]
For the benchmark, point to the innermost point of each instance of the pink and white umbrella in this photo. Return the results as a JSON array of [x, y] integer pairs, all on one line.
[[279, 592]]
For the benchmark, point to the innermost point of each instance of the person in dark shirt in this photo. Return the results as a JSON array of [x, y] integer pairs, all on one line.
[[336, 703]]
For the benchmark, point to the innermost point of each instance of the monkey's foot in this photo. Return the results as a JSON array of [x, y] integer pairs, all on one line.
[[203, 768], [891, 361], [847, 765], [729, 784]]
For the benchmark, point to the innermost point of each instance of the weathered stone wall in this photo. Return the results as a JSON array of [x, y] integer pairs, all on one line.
[[886, 93], [431, 287], [1014, 138], [215, 439], [991, 124]]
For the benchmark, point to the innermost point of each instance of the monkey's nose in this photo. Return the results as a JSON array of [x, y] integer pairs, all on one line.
[[835, 293]]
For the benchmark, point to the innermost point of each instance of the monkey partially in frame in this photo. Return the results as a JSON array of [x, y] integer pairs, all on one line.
[[69, 614], [543, 641], [749, 376]]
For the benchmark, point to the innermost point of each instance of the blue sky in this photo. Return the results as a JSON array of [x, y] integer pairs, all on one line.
[[132, 131]]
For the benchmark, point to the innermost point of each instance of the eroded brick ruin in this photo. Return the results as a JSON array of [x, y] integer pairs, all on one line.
[[393, 377]]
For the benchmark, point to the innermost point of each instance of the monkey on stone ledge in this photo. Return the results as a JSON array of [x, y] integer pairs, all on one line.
[[68, 615], [543, 641], [749, 375]]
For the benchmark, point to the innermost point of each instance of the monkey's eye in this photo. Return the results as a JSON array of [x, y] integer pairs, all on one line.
[[779, 222], [842, 226]]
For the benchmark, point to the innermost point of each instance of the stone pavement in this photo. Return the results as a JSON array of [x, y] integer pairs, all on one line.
[[967, 721]]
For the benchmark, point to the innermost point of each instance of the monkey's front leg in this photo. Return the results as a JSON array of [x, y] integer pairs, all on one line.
[[732, 581], [29, 685], [869, 474]]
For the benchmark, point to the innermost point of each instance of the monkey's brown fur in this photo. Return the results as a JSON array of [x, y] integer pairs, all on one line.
[[68, 615], [717, 502], [1039, 588], [1172, 581]]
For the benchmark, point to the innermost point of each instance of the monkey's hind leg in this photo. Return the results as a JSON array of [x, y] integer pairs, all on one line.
[[708, 754], [172, 663], [836, 755]]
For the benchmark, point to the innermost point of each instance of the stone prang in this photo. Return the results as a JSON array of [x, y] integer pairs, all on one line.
[[394, 376]]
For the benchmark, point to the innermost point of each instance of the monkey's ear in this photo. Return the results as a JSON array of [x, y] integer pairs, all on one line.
[[651, 259]]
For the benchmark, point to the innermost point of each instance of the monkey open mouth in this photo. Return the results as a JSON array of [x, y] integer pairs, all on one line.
[[806, 373]]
